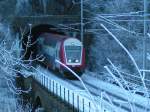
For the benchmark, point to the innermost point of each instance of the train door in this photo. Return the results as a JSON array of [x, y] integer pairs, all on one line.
[[57, 54]]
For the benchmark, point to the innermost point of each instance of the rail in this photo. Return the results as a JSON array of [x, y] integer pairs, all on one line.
[[81, 100]]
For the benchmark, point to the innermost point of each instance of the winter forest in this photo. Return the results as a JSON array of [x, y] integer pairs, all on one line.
[[116, 37]]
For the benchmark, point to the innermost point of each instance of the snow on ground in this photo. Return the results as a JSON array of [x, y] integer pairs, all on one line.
[[117, 91], [79, 90], [119, 96], [57, 78]]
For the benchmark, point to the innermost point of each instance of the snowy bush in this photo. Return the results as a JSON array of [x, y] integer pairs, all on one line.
[[23, 7], [120, 17], [12, 63], [119, 49]]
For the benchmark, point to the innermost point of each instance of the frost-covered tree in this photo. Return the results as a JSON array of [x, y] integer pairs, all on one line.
[[121, 18], [23, 7], [10, 61]]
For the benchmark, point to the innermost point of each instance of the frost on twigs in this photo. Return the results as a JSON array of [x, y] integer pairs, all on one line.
[[120, 79], [11, 64], [12, 55]]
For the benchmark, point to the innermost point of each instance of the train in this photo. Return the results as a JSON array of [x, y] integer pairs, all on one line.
[[66, 49]]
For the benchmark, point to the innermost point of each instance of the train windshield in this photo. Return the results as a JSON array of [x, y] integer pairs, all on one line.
[[73, 54]]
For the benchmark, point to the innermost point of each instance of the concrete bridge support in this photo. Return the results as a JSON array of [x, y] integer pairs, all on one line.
[[39, 96]]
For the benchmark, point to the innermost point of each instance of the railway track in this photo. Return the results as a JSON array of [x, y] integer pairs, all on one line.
[[95, 91]]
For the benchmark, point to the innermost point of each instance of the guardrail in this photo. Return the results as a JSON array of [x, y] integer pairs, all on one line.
[[74, 98], [79, 100]]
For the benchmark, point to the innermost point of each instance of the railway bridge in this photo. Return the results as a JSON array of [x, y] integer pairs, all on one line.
[[54, 93], [51, 94], [41, 97]]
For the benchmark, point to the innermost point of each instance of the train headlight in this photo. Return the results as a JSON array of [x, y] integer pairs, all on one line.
[[77, 61], [69, 60]]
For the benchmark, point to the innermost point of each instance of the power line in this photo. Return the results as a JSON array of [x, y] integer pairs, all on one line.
[[144, 38], [82, 38]]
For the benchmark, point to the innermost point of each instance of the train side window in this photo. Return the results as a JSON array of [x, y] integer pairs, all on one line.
[[41, 40], [47, 41], [50, 42], [57, 50]]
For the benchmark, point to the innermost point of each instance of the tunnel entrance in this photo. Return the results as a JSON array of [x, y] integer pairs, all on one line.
[[38, 29], [29, 39]]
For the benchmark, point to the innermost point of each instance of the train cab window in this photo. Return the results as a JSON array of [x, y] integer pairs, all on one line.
[[73, 54]]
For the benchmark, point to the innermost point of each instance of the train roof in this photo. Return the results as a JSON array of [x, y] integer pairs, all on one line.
[[55, 36]]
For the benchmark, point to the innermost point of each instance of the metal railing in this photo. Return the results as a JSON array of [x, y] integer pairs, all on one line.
[[78, 102]]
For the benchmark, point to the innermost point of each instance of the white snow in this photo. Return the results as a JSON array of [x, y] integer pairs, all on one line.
[[53, 83], [107, 87]]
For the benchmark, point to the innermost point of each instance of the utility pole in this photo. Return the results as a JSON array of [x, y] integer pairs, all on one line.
[[81, 8], [145, 36], [44, 2]]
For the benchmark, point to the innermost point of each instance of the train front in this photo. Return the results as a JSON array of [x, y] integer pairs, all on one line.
[[74, 55]]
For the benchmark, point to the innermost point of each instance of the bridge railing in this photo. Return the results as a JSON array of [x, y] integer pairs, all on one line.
[[77, 99]]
